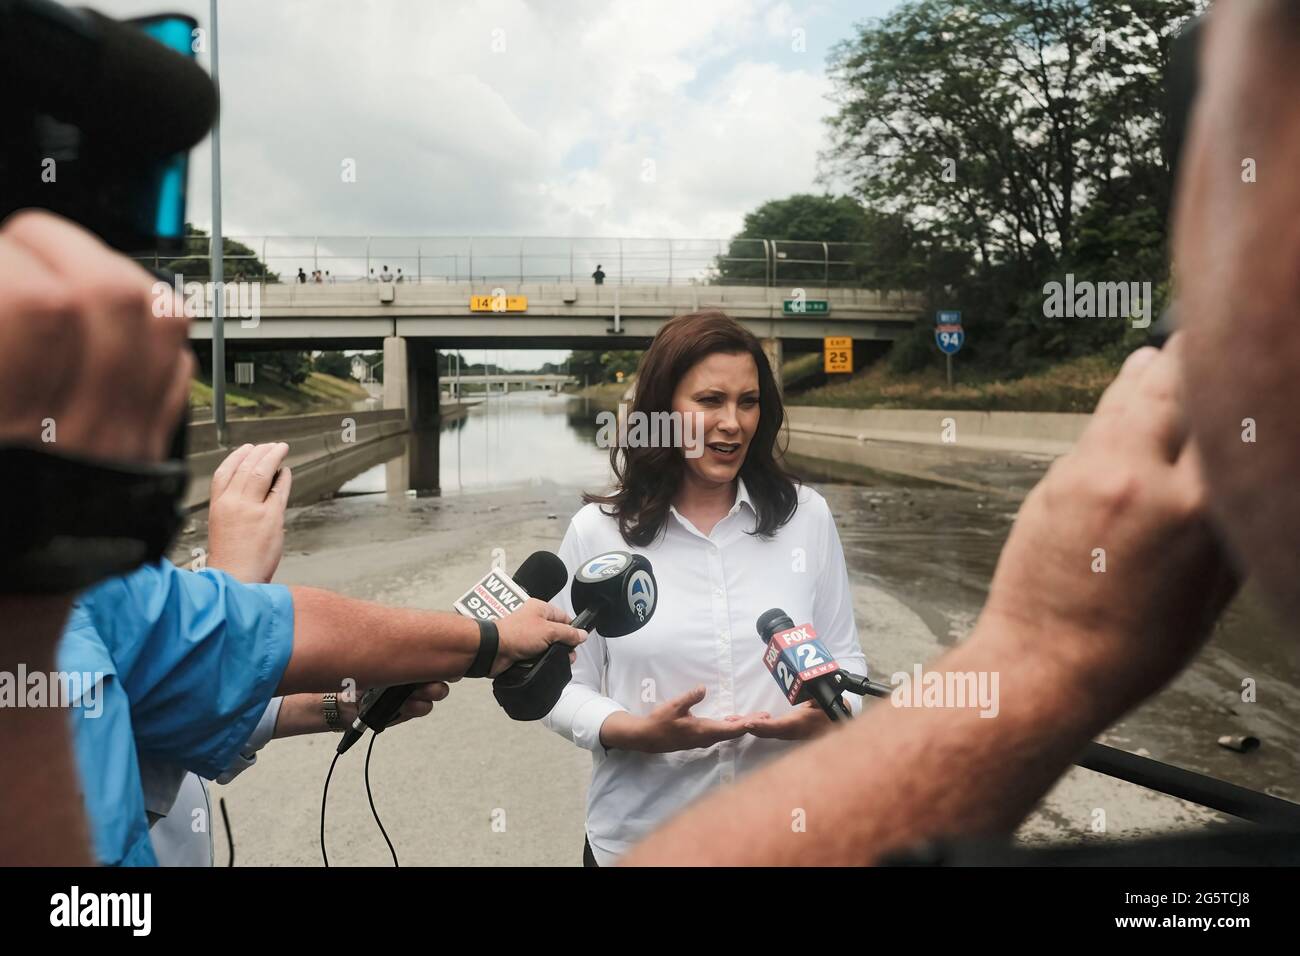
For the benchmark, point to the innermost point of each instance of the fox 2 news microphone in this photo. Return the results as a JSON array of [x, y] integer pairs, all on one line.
[[800, 664], [495, 595]]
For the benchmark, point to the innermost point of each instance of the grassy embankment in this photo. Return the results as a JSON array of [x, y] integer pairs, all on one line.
[[319, 393], [603, 393], [1072, 386]]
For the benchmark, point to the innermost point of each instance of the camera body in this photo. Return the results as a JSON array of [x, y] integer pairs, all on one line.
[[99, 117]]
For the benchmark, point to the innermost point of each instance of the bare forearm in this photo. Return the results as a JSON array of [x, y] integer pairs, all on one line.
[[304, 714], [44, 820], [621, 731], [897, 775], [336, 638]]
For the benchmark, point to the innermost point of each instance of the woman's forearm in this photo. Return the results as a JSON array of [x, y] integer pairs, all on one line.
[[338, 639], [622, 731]]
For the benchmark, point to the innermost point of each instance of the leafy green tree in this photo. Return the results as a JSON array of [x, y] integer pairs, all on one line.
[[598, 366], [1027, 135], [333, 363], [238, 260], [799, 224]]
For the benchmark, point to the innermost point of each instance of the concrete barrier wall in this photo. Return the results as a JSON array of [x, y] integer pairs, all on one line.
[[1050, 433], [314, 441]]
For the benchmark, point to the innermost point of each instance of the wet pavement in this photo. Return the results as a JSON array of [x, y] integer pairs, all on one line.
[[468, 786]]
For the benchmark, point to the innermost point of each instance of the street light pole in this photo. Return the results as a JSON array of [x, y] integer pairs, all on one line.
[[218, 265]]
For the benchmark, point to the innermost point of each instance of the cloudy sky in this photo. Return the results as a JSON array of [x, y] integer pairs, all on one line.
[[635, 118]]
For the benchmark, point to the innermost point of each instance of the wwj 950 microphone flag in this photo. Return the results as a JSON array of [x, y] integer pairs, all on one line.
[[492, 597]]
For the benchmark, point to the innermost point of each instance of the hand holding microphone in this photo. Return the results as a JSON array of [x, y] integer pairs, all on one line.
[[512, 626], [532, 631], [613, 593]]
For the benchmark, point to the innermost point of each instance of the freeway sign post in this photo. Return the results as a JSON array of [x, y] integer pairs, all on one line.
[[949, 335], [837, 352]]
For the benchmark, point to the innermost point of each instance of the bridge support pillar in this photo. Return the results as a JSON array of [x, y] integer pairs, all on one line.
[[411, 379], [776, 358]]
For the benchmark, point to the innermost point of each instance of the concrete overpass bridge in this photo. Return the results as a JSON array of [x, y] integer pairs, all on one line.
[[414, 320], [527, 293], [521, 380], [550, 315]]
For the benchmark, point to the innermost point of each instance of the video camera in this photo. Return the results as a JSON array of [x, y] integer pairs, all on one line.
[[97, 118]]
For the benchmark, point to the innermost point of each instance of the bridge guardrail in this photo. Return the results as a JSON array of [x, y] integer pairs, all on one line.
[[767, 262]]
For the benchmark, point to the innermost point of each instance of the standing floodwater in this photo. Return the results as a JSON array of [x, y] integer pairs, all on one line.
[[504, 441]]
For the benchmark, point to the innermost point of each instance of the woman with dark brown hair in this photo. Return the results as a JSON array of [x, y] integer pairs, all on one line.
[[686, 703]]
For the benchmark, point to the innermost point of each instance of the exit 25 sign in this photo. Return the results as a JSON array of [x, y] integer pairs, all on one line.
[[837, 352]]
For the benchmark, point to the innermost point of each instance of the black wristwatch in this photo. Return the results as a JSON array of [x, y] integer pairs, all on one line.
[[488, 643]]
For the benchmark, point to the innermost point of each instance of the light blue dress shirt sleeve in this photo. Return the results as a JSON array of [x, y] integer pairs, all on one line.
[[186, 663], [199, 655]]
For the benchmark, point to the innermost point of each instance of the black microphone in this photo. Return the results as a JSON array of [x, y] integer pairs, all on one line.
[[613, 594], [495, 595], [801, 665]]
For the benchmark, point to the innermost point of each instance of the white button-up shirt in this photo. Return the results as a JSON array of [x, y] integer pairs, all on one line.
[[712, 589]]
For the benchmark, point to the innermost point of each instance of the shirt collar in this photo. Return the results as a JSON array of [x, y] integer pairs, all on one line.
[[742, 499]]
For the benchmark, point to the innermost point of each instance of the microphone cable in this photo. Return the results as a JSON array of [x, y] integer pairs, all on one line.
[[230, 837], [323, 794], [371, 797]]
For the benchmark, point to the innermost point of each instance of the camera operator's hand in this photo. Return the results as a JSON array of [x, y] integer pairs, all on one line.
[[1130, 498], [86, 366], [529, 631], [250, 491]]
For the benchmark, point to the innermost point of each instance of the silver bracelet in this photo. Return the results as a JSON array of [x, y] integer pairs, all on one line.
[[330, 708]]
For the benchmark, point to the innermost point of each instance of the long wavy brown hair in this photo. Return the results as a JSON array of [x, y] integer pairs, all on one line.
[[647, 479]]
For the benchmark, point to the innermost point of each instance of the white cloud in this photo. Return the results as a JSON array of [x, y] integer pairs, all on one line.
[[557, 133]]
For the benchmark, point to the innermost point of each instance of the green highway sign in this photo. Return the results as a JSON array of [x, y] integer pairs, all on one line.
[[806, 306]]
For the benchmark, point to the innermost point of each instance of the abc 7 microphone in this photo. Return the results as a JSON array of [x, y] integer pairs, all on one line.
[[613, 594], [495, 595], [800, 663]]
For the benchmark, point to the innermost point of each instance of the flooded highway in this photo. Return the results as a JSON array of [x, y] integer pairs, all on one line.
[[428, 513]]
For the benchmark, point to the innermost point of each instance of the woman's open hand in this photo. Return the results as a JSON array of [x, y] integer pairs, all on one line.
[[671, 727], [798, 723]]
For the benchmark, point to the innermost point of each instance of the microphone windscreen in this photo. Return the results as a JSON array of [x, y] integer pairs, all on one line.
[[542, 575], [769, 622]]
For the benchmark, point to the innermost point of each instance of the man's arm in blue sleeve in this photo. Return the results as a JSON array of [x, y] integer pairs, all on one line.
[[199, 654]]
